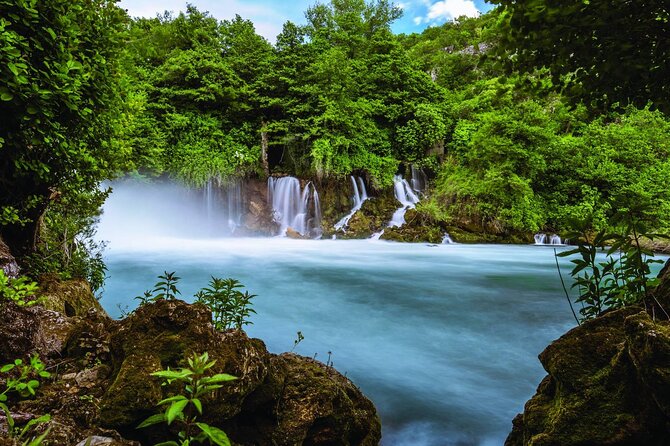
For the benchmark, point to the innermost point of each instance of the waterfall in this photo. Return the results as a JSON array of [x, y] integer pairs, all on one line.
[[223, 204], [360, 195], [419, 180], [541, 239], [406, 197], [300, 211], [446, 240], [377, 235]]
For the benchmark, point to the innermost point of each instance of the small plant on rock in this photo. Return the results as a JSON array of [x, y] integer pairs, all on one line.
[[231, 308], [23, 380], [185, 408], [21, 291], [165, 288], [623, 277]]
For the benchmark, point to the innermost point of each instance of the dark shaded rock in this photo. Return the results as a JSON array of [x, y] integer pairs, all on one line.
[[28, 330], [103, 385], [318, 406], [283, 399], [608, 383], [7, 261]]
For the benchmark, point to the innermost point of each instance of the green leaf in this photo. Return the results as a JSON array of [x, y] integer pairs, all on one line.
[[198, 405], [154, 419], [216, 435], [172, 374], [172, 399], [218, 378], [175, 410]]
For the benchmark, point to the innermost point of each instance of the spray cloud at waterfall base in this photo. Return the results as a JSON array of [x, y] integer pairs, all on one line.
[[140, 211]]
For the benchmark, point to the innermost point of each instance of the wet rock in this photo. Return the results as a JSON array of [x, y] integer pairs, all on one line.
[[608, 383], [292, 233]]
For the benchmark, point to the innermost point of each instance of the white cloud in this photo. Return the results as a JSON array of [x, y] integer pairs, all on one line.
[[449, 10], [417, 20]]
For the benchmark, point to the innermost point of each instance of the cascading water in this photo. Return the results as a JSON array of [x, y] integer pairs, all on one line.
[[446, 239], [223, 204], [544, 239], [540, 238], [360, 195], [419, 180], [406, 197], [293, 209]]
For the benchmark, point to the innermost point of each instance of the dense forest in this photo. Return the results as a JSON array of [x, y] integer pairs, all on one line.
[[520, 126]]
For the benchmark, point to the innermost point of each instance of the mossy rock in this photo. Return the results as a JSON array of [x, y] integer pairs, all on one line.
[[134, 393], [69, 297], [608, 384]]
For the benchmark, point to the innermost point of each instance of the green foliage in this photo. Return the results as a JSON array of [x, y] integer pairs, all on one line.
[[23, 380], [185, 408], [604, 52], [623, 278], [165, 288], [230, 306], [59, 92], [67, 245], [21, 291]]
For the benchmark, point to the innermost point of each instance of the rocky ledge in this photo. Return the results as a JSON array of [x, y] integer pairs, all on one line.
[[101, 386], [608, 382]]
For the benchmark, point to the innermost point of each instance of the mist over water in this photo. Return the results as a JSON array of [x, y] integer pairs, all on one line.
[[444, 339]]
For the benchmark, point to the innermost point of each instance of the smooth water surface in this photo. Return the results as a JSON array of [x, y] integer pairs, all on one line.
[[444, 339]]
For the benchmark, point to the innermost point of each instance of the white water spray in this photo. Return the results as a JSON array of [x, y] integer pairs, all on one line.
[[544, 239], [446, 240], [406, 197], [223, 205], [360, 195], [293, 209]]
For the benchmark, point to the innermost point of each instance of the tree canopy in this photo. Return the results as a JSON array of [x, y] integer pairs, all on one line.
[[603, 52], [59, 98]]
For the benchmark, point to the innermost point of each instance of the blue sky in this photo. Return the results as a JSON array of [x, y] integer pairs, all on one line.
[[269, 15]]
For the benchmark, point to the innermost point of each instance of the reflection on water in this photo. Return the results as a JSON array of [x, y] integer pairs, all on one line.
[[444, 339]]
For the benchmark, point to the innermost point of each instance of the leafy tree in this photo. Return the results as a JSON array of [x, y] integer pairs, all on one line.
[[604, 52], [58, 93]]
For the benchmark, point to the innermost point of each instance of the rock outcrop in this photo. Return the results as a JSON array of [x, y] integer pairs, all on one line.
[[7, 261], [103, 387], [608, 383]]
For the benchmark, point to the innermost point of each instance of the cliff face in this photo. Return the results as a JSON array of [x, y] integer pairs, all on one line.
[[102, 385], [608, 383]]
